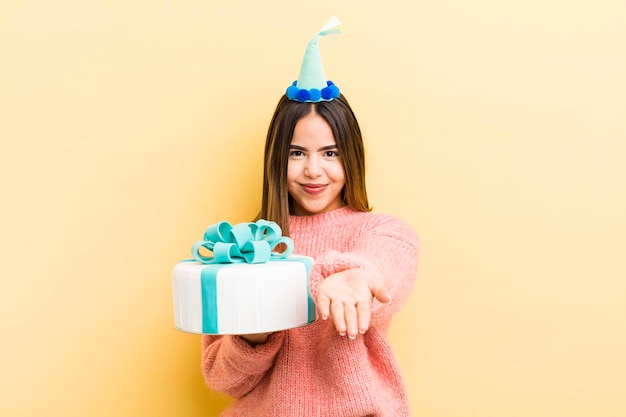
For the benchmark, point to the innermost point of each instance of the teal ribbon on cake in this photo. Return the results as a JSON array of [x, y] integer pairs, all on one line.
[[245, 242]]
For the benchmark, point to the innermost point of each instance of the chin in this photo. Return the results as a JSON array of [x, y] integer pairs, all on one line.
[[309, 211]]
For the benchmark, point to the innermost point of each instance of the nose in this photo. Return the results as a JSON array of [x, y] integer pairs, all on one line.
[[313, 167]]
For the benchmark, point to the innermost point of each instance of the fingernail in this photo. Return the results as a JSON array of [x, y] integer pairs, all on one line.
[[342, 334], [362, 331], [352, 337], [324, 317]]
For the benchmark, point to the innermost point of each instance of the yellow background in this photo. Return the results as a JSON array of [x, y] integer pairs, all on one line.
[[496, 128]]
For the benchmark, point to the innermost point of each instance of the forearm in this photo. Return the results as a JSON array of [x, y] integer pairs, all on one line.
[[232, 365]]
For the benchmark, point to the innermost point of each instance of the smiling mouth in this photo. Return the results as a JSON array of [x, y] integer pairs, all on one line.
[[313, 188]]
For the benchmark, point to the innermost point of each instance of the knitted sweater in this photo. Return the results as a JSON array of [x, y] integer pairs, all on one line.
[[312, 370]]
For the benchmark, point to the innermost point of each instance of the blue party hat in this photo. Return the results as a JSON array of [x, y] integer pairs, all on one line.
[[311, 85]]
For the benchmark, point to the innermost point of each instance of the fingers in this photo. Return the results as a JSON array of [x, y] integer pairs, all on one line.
[[364, 311], [381, 293], [339, 319], [347, 298], [351, 319], [323, 306]]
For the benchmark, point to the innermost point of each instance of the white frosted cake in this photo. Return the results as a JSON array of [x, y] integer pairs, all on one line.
[[225, 294]]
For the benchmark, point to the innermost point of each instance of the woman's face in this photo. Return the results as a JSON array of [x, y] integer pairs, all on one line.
[[315, 175]]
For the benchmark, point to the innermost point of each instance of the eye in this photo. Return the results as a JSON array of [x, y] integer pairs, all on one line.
[[331, 154], [294, 153]]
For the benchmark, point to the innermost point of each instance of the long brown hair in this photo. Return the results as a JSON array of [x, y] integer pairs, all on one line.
[[276, 202]]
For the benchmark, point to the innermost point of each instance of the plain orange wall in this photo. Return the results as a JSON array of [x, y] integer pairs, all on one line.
[[496, 128]]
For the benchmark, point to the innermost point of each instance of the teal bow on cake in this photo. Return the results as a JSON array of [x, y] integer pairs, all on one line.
[[245, 242]]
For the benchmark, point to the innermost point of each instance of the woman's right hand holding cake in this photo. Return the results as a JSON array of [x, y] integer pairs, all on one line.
[[255, 339]]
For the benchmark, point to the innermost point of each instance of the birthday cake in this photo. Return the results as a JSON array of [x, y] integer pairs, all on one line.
[[245, 285]]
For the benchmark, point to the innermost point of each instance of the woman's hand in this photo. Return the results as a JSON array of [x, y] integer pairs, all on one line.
[[255, 339], [347, 298]]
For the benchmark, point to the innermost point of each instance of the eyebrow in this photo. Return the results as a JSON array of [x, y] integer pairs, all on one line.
[[324, 148]]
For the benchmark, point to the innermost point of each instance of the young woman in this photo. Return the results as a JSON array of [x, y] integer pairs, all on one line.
[[365, 267]]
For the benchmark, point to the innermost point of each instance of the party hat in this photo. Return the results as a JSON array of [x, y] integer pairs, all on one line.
[[311, 85]]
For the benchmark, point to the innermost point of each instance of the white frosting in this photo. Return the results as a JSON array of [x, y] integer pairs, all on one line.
[[251, 298]]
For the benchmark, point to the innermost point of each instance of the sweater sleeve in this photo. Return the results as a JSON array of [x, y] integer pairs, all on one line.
[[385, 246], [231, 365]]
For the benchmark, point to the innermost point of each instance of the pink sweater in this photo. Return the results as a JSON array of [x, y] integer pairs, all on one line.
[[312, 370]]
